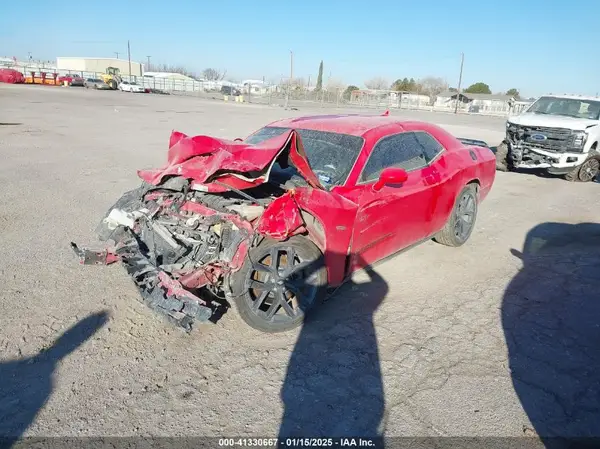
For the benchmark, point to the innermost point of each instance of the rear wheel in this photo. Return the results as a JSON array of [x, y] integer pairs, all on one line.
[[459, 227], [279, 283]]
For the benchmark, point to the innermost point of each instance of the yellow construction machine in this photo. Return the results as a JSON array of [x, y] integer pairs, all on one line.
[[112, 77]]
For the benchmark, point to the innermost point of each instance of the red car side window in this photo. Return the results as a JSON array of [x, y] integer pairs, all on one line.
[[431, 147], [400, 151]]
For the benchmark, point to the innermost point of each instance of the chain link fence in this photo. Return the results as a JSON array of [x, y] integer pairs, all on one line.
[[295, 95]]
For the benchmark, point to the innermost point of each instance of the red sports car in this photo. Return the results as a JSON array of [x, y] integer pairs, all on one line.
[[272, 222]]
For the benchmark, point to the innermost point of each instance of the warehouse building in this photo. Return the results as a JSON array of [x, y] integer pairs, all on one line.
[[98, 65]]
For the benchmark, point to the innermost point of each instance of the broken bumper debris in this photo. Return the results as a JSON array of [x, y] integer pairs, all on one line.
[[158, 290]]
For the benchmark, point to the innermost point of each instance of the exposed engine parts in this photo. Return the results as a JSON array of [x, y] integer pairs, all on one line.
[[170, 249]]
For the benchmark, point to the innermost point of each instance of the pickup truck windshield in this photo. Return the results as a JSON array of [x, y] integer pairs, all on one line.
[[568, 107]]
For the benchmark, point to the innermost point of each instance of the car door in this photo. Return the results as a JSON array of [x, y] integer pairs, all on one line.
[[396, 216], [443, 180]]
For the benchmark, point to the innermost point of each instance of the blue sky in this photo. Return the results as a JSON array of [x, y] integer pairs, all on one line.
[[537, 46]]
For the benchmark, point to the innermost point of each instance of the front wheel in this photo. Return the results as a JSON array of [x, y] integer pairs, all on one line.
[[502, 157], [586, 172], [279, 283], [460, 225]]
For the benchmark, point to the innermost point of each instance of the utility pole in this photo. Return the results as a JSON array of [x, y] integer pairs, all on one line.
[[148, 66], [287, 94], [462, 61], [116, 53], [129, 57]]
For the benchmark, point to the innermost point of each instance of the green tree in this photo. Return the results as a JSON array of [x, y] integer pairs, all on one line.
[[401, 84], [348, 92], [478, 88], [513, 92], [320, 78], [405, 85]]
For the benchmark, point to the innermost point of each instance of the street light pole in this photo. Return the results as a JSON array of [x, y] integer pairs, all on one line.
[[462, 60], [148, 66]]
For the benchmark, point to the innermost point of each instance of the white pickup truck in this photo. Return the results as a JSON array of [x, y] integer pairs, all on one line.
[[559, 134]]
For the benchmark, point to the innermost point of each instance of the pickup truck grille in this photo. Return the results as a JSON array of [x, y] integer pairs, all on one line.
[[557, 139]]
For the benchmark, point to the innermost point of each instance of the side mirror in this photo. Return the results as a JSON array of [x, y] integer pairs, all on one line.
[[390, 176]]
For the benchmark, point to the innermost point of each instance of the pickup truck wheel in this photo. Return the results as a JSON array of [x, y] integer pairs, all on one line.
[[589, 170], [573, 175], [460, 225], [279, 283], [502, 157]]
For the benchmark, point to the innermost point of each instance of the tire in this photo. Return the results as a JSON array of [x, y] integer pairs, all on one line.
[[254, 299], [113, 84], [586, 172], [502, 157], [573, 175], [467, 202]]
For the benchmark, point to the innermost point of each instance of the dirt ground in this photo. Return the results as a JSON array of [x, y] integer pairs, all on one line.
[[427, 347]]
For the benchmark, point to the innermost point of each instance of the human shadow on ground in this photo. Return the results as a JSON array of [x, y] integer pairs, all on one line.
[[26, 384], [551, 321], [333, 385]]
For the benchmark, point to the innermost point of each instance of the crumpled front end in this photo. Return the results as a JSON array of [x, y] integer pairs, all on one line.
[[188, 227], [180, 246], [545, 147], [178, 250]]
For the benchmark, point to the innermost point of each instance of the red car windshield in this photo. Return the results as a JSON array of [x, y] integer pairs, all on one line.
[[330, 155]]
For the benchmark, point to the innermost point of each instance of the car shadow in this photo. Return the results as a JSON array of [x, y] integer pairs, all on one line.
[[551, 322], [333, 385], [26, 384]]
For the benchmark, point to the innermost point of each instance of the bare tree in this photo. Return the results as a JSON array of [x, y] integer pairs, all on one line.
[[296, 83], [213, 74], [335, 85], [377, 83], [432, 86]]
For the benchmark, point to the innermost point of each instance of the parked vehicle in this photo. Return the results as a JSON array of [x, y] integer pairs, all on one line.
[[127, 86], [112, 77], [71, 80], [559, 134], [230, 90], [95, 83], [11, 76], [272, 221]]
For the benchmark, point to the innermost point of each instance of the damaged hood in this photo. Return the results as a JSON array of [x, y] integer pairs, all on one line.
[[214, 164], [552, 121]]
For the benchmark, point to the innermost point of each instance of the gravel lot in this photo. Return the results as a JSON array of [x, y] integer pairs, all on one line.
[[419, 350]]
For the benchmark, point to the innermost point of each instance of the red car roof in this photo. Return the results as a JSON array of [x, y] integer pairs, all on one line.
[[353, 124]]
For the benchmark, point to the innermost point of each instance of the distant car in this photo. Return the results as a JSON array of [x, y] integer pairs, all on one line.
[[126, 86], [72, 80], [230, 90], [95, 83]]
